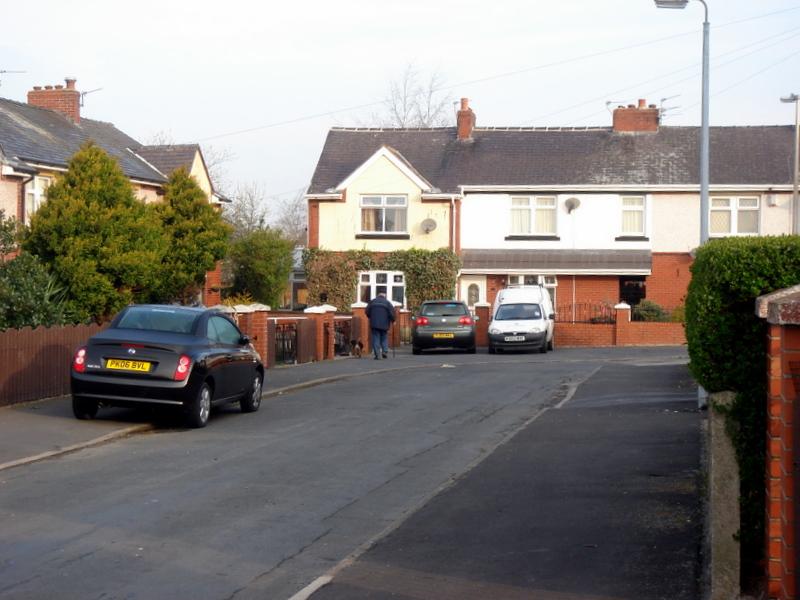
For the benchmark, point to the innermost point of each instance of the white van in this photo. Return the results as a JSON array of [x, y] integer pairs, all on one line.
[[522, 319]]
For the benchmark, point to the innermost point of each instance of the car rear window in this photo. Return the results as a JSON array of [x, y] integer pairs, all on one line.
[[449, 309], [158, 319], [518, 312]]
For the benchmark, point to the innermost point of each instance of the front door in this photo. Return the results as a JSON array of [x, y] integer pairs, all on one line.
[[472, 290]]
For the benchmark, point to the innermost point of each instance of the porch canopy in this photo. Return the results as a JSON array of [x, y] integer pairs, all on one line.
[[556, 262]]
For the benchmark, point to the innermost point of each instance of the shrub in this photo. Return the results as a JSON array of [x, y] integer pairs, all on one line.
[[29, 295], [261, 262], [647, 310], [727, 350]]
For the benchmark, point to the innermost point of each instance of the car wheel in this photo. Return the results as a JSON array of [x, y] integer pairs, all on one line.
[[416, 350], [472, 350], [252, 399], [200, 408], [84, 408]]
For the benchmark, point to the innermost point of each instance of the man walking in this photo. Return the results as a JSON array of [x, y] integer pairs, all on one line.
[[380, 313]]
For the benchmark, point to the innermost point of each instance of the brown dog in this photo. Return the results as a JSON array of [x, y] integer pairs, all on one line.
[[356, 348]]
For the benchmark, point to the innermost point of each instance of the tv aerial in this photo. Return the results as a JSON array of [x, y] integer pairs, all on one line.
[[4, 71], [83, 94]]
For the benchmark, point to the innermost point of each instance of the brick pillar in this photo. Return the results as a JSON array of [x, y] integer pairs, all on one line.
[[329, 335], [781, 310], [783, 371], [257, 330], [482, 313], [622, 328], [359, 313]]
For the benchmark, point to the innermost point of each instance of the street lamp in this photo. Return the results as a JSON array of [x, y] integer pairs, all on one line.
[[704, 207], [795, 208]]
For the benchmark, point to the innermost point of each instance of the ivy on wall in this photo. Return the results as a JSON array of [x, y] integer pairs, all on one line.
[[333, 276]]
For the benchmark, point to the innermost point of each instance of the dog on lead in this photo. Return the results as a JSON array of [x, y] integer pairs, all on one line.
[[356, 348]]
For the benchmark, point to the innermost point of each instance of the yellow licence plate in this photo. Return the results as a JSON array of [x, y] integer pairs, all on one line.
[[128, 365], [444, 335]]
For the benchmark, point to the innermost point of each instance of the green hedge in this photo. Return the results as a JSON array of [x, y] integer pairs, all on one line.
[[727, 350], [430, 274]]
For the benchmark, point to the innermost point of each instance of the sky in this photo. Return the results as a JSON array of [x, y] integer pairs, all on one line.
[[263, 82]]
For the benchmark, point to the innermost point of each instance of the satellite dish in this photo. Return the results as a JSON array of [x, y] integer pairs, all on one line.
[[572, 204], [428, 225]]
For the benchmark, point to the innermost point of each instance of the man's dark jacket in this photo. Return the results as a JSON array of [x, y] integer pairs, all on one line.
[[380, 313]]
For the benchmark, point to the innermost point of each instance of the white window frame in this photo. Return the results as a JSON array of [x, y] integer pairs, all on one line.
[[35, 195], [368, 281], [549, 282], [640, 209], [383, 205], [532, 205], [734, 208]]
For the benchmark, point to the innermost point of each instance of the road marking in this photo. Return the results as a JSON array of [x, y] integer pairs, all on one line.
[[573, 387], [312, 587]]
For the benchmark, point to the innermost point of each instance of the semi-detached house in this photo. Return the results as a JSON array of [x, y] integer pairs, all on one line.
[[38, 138], [595, 214]]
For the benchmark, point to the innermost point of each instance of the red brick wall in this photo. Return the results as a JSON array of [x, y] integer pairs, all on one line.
[[313, 223], [670, 279], [583, 334], [587, 289], [783, 370]]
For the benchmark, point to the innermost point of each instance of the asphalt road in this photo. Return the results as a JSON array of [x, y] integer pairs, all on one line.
[[260, 506]]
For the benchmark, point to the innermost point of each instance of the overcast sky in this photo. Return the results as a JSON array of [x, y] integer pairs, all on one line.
[[288, 71]]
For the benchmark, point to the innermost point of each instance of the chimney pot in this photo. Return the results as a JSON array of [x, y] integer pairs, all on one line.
[[70, 81], [48, 87], [59, 87], [642, 103], [464, 103], [37, 87]]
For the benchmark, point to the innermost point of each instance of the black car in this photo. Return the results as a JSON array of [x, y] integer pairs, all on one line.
[[443, 324], [189, 358]]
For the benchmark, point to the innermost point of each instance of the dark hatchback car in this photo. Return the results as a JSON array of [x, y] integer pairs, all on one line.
[[188, 358], [443, 324]]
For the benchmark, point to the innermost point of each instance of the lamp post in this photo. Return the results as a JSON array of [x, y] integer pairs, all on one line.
[[795, 208], [704, 206]]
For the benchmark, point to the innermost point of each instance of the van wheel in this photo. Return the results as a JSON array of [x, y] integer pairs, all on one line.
[[551, 345], [543, 349], [492, 350]]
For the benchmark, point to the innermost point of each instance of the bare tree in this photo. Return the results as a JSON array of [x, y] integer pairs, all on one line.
[[293, 219], [248, 211], [416, 102]]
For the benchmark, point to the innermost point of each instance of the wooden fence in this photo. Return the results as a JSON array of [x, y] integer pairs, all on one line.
[[35, 363]]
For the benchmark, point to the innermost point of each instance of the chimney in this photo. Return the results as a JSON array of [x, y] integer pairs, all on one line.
[[65, 100], [465, 121], [636, 119]]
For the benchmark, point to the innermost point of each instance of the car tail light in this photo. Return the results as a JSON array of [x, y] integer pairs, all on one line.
[[182, 370], [465, 321], [79, 361], [422, 320]]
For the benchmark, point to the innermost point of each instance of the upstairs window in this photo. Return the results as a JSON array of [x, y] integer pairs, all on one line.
[[35, 195], [533, 215], [734, 216], [383, 214], [633, 216]]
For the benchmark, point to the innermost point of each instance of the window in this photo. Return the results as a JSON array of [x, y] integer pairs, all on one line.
[[383, 214], [518, 312], [550, 283], [533, 215], [473, 294], [734, 216], [222, 331], [632, 290], [391, 283], [35, 193], [633, 215]]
